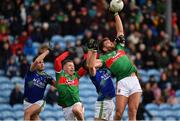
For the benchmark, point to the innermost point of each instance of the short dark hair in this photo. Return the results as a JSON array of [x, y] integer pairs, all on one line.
[[101, 43], [66, 61]]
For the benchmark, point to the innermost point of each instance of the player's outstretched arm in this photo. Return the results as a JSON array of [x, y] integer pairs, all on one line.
[[91, 61], [58, 61], [38, 59], [118, 25]]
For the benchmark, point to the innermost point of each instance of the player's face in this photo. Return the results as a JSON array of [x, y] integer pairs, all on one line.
[[108, 46], [40, 66], [69, 68]]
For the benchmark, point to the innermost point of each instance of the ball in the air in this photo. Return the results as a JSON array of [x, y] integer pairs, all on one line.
[[116, 5]]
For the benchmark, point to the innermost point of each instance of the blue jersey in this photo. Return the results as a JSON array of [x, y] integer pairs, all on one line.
[[104, 84], [35, 85]]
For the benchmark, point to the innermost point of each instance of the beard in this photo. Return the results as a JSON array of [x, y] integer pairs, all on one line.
[[111, 48]]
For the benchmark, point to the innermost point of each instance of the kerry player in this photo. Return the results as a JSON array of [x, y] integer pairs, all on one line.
[[102, 80], [36, 81]]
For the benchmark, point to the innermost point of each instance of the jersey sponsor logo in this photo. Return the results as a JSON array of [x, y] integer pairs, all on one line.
[[39, 83], [110, 61], [105, 76], [64, 80]]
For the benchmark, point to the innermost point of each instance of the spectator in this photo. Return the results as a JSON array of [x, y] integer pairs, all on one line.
[[158, 99], [12, 67], [24, 66], [16, 96], [51, 97], [148, 95], [141, 111], [170, 94], [163, 81]]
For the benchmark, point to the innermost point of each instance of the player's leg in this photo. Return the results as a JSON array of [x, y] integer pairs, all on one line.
[[104, 110], [33, 109], [122, 94], [133, 104], [35, 117], [121, 102], [78, 110], [134, 97]]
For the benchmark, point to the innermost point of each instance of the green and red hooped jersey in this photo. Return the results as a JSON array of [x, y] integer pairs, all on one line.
[[66, 85], [118, 63]]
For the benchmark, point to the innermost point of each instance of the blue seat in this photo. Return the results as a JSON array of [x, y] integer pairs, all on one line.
[[4, 79], [9, 119], [50, 72], [2, 72], [36, 45], [29, 58], [8, 114], [177, 93], [50, 119], [19, 114], [63, 45], [17, 79], [155, 113], [5, 107], [18, 107], [57, 39], [49, 65], [89, 114], [125, 113], [45, 114], [6, 86], [48, 107], [158, 118], [176, 107], [69, 38], [152, 106], [165, 106], [165, 113], [57, 107], [155, 73], [170, 118], [3, 100], [143, 75], [58, 114]]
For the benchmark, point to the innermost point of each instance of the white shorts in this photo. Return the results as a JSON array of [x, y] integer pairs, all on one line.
[[128, 86], [68, 114], [104, 110], [41, 103]]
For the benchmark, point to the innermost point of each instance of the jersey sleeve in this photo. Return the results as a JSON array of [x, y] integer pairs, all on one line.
[[102, 58], [50, 80], [58, 61], [81, 72], [119, 47]]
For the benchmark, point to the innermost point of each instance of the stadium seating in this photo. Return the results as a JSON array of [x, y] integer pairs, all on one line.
[[18, 107]]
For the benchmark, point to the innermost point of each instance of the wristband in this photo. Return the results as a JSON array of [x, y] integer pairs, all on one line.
[[115, 14]]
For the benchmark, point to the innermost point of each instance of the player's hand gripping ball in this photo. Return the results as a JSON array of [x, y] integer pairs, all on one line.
[[116, 5]]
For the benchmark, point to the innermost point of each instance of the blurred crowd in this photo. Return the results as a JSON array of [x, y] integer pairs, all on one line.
[[25, 22]]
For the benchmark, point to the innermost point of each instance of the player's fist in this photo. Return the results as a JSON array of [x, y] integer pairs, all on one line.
[[92, 44]]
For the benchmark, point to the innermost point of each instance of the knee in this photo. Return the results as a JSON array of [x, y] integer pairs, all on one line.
[[75, 110], [132, 111], [34, 117], [119, 113], [28, 113]]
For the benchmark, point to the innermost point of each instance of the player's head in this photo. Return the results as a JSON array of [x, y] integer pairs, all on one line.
[[68, 67], [40, 65], [106, 45]]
